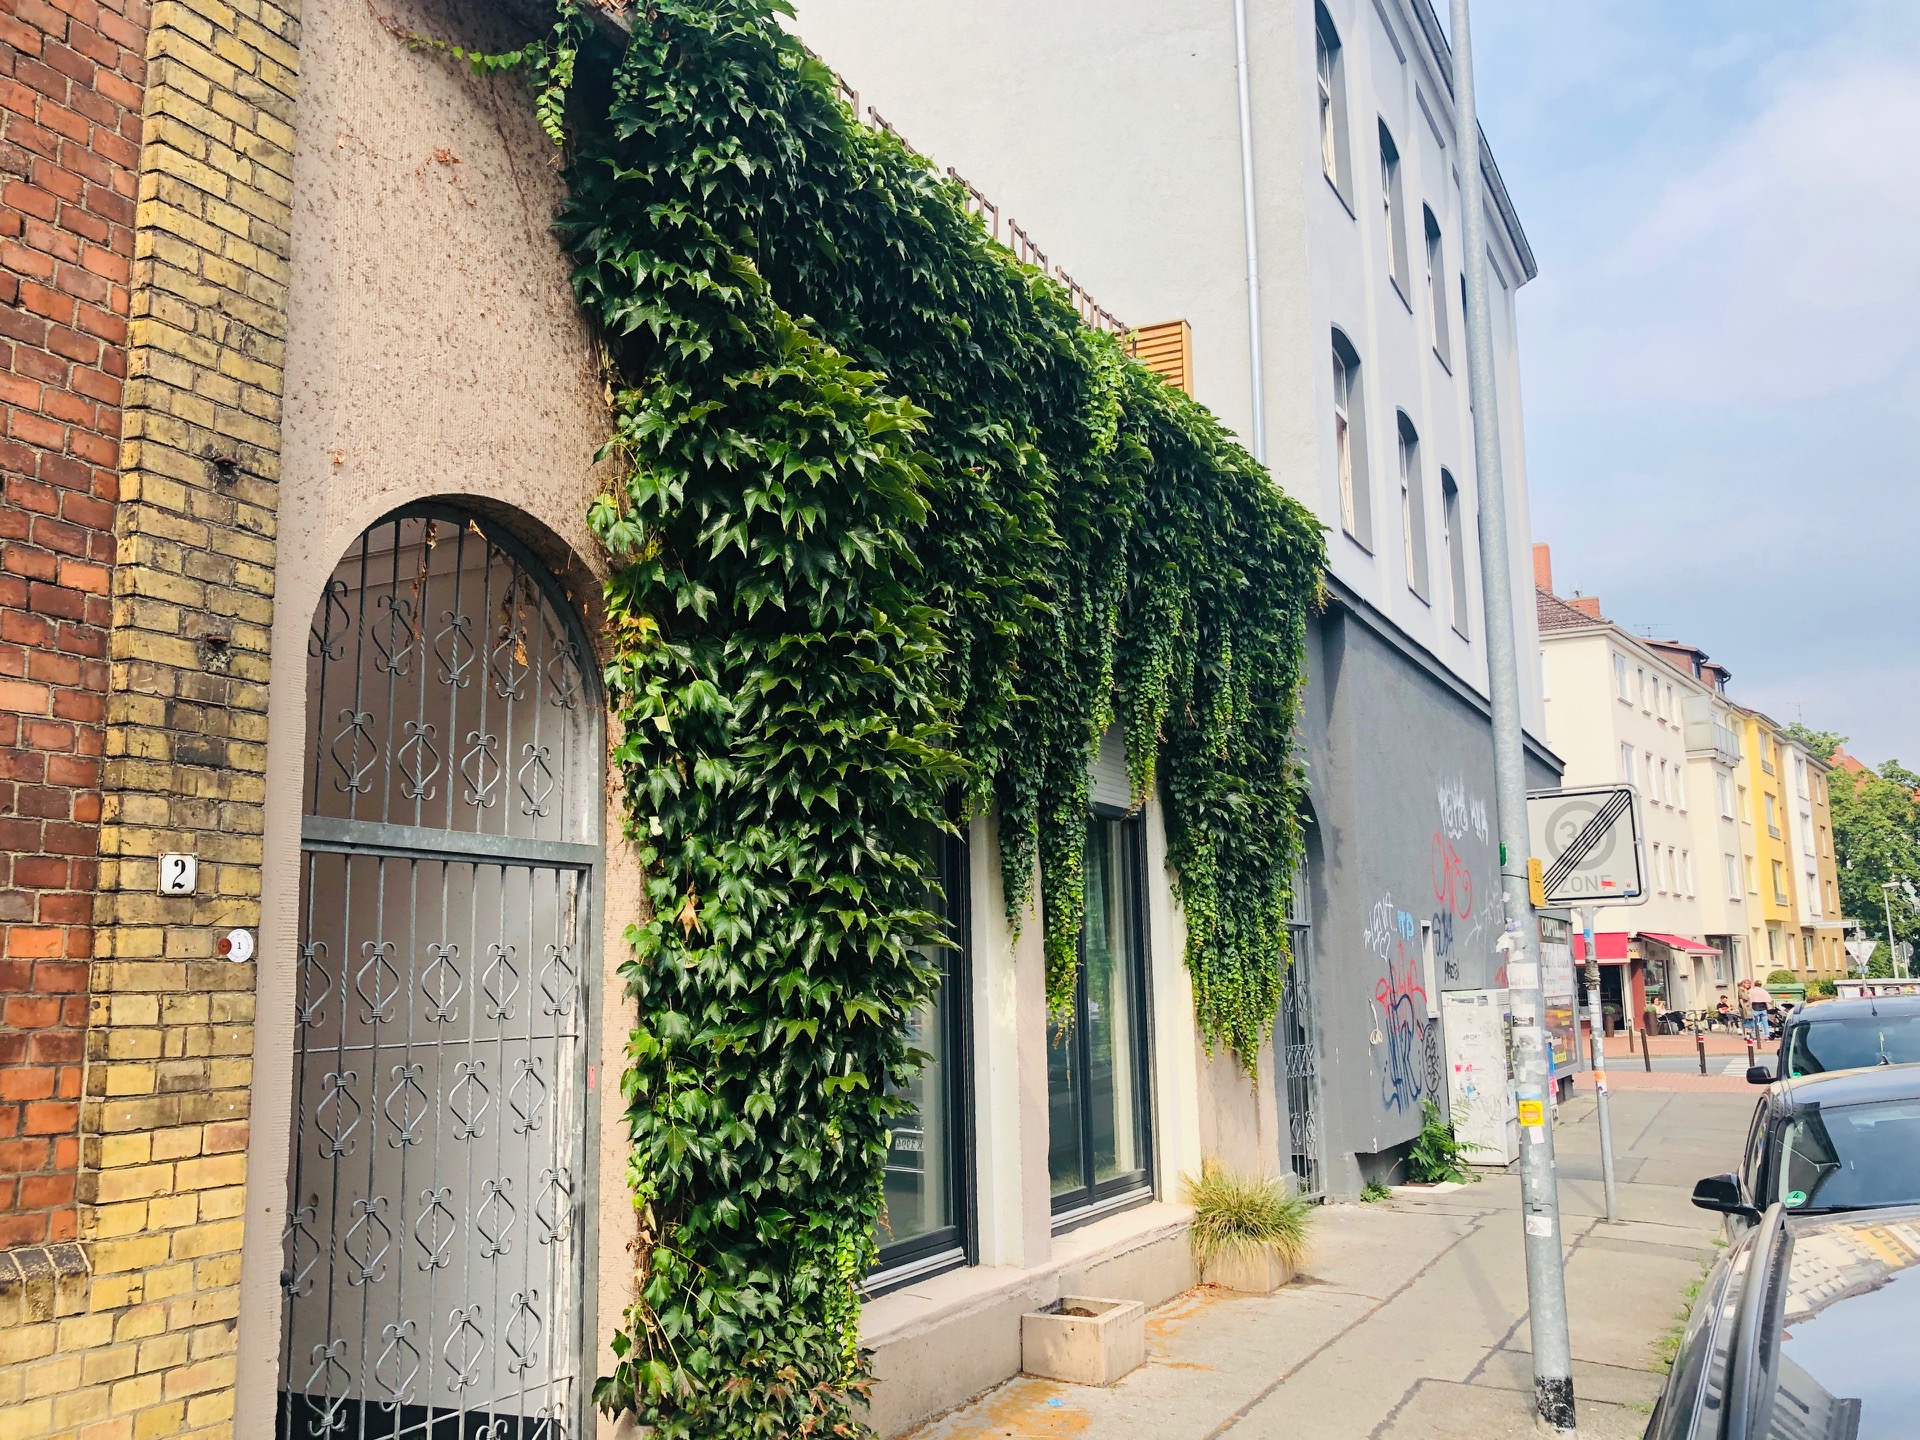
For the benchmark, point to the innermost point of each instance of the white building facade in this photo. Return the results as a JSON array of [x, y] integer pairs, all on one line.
[[1321, 283]]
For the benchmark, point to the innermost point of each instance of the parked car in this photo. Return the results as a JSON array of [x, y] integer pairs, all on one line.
[[1846, 1035], [1826, 1143], [1803, 1332]]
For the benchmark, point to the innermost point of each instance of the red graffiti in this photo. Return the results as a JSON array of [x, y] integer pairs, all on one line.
[[1403, 1004], [1452, 880]]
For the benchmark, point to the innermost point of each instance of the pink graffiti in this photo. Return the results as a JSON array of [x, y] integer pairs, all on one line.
[[1452, 880], [1403, 1003]]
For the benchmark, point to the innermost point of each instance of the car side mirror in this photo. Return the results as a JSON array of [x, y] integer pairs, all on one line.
[[1759, 1075], [1721, 1193]]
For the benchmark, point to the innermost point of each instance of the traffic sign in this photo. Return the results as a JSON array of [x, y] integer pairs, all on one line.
[[1588, 841]]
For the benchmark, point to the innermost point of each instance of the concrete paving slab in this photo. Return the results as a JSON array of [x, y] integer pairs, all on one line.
[[1440, 1410]]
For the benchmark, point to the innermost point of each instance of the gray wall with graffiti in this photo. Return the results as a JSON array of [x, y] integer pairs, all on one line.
[[1404, 868]]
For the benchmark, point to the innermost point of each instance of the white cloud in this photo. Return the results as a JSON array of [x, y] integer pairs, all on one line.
[[1779, 268]]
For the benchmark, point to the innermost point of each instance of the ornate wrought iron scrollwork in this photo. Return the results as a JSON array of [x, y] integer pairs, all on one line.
[[367, 1240], [495, 1218], [527, 1096], [454, 648], [558, 981], [480, 768], [323, 637], [536, 780], [563, 675], [376, 982], [398, 1365], [523, 1332], [470, 1099], [357, 734], [434, 1231], [413, 1103], [508, 662], [394, 637], [309, 1008], [331, 1383], [553, 1207], [337, 1115], [441, 982], [302, 1251], [417, 761], [466, 1347], [500, 981]]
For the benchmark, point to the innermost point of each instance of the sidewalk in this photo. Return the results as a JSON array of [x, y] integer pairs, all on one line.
[[1410, 1321]]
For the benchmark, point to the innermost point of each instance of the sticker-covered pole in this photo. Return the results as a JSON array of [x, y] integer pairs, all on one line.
[[1539, 1193], [1596, 1037]]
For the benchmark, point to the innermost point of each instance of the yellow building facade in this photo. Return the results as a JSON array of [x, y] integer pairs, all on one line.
[[1786, 833]]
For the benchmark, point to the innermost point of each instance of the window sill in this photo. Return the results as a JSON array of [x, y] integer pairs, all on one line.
[[1394, 281], [1445, 364], [1339, 195], [1361, 545]]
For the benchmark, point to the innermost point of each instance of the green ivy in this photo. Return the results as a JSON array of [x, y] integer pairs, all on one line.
[[895, 538]]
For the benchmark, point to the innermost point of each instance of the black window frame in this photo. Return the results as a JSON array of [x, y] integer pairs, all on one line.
[[955, 1246], [1095, 1199]]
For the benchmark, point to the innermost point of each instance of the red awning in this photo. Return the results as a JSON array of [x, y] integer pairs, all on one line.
[[1678, 942], [1612, 945]]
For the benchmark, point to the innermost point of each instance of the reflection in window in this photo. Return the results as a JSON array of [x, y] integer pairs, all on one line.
[[1097, 1065], [1851, 1157], [923, 1225]]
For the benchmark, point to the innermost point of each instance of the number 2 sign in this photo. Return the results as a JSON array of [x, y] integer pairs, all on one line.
[[178, 874]]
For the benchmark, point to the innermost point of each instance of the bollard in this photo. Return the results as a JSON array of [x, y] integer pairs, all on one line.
[[1750, 1059], [1700, 1042], [1646, 1055]]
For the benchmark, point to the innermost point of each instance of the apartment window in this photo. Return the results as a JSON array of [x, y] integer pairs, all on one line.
[[1349, 442], [1646, 691], [1753, 883], [1773, 816], [1686, 868], [1743, 806], [1723, 789], [1779, 883], [1328, 63], [1097, 1080], [1648, 771], [1437, 286], [1392, 213], [1456, 543], [1626, 764], [1800, 778], [1620, 687], [1413, 509], [929, 1149], [1733, 876], [1671, 711], [1661, 790], [1766, 753], [1679, 786]]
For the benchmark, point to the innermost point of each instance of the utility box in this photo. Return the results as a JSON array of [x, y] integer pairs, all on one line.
[[1478, 1025]]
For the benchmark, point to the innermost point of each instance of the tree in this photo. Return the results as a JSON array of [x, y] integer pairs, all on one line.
[[1823, 743], [1876, 838]]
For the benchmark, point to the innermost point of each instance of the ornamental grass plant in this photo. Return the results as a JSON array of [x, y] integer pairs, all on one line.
[[1236, 1214]]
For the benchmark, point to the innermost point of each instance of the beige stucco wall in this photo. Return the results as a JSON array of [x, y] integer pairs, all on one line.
[[434, 350]]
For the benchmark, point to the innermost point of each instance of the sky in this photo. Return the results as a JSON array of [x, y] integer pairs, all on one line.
[[1721, 355]]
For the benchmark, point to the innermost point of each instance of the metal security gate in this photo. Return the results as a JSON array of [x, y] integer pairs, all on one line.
[[1299, 1047], [435, 1254]]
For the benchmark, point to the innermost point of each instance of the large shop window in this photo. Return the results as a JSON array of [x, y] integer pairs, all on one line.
[[1097, 1067], [925, 1227]]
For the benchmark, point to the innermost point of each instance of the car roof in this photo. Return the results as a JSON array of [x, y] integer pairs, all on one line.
[[1850, 1087], [1842, 1337], [1816, 1011]]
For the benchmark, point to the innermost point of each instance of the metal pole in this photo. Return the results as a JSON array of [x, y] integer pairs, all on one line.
[[1255, 358], [1893, 952], [1539, 1192], [1596, 1037]]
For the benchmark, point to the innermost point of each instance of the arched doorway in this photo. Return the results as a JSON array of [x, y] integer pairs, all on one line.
[[435, 1264]]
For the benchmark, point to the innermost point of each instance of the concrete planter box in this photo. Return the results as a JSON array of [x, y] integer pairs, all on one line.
[[1256, 1272], [1095, 1347]]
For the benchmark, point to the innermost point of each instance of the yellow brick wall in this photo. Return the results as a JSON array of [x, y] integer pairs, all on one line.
[[131, 1331]]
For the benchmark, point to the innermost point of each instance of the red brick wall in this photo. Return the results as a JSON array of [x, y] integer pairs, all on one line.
[[71, 75]]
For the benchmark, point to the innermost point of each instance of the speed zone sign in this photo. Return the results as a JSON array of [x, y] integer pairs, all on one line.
[[1587, 839]]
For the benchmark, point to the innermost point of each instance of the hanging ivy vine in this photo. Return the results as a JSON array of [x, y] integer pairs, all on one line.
[[895, 538]]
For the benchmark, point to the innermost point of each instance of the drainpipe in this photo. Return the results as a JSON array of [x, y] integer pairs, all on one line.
[[1256, 361]]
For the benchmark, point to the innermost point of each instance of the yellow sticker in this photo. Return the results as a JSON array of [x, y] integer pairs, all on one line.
[[1533, 1112]]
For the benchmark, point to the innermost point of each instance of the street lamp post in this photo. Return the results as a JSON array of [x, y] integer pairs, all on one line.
[[1893, 945], [1539, 1194]]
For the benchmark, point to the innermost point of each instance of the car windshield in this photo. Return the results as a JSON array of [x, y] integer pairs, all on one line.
[[1850, 1157], [1853, 1042]]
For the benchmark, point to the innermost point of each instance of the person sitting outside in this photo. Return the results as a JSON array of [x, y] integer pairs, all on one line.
[[1723, 1014]]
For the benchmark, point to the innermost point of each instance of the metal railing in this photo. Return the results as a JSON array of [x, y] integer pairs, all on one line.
[[1015, 237]]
